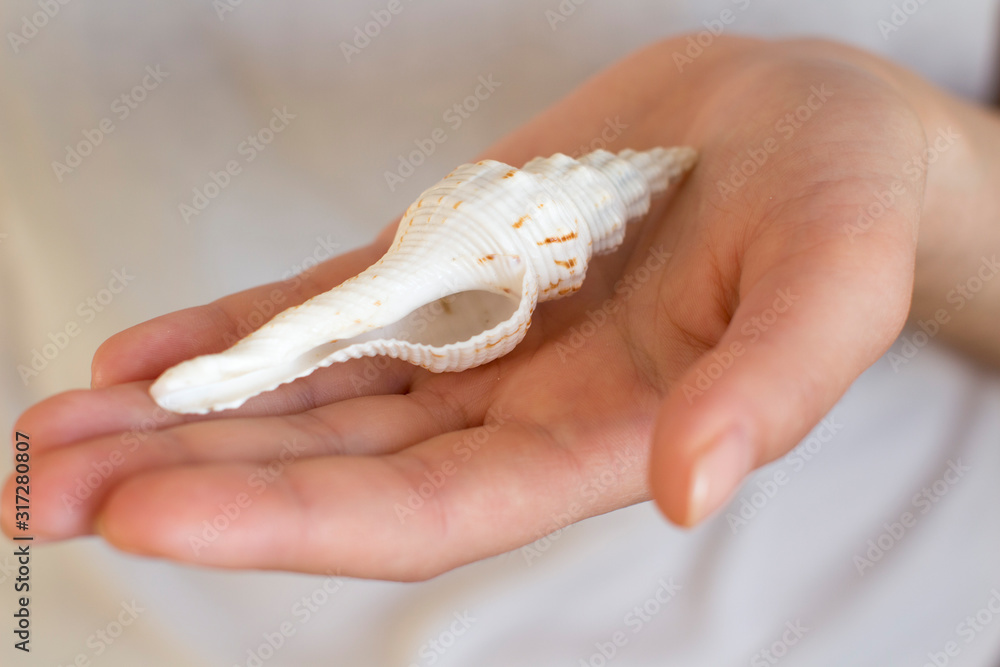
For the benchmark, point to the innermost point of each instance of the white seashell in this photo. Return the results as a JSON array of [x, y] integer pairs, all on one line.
[[471, 259]]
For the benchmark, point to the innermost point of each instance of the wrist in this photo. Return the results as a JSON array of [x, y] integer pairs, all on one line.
[[955, 282]]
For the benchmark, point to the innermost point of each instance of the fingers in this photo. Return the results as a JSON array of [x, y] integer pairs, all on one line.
[[146, 350], [71, 416], [129, 410], [71, 483], [820, 298], [798, 339], [446, 502]]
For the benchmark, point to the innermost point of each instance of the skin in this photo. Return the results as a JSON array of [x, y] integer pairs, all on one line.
[[569, 430]]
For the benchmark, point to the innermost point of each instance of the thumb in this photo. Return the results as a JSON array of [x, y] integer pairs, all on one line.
[[798, 339]]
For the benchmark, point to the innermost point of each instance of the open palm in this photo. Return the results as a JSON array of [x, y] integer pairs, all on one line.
[[730, 321]]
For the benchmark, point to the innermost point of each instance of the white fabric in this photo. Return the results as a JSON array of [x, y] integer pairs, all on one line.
[[321, 183]]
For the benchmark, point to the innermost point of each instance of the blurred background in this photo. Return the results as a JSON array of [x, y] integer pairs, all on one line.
[[115, 115]]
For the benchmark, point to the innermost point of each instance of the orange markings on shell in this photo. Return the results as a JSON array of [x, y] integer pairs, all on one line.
[[558, 239]]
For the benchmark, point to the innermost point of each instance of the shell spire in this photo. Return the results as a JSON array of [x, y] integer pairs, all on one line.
[[471, 259]]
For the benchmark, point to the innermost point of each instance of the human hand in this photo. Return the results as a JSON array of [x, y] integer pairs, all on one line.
[[724, 328]]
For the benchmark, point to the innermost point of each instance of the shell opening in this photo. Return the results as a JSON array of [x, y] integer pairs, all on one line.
[[450, 320], [439, 335]]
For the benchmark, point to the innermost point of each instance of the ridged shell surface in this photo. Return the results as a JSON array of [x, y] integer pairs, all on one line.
[[472, 257]]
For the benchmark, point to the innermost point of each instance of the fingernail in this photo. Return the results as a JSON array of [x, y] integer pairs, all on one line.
[[718, 472]]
